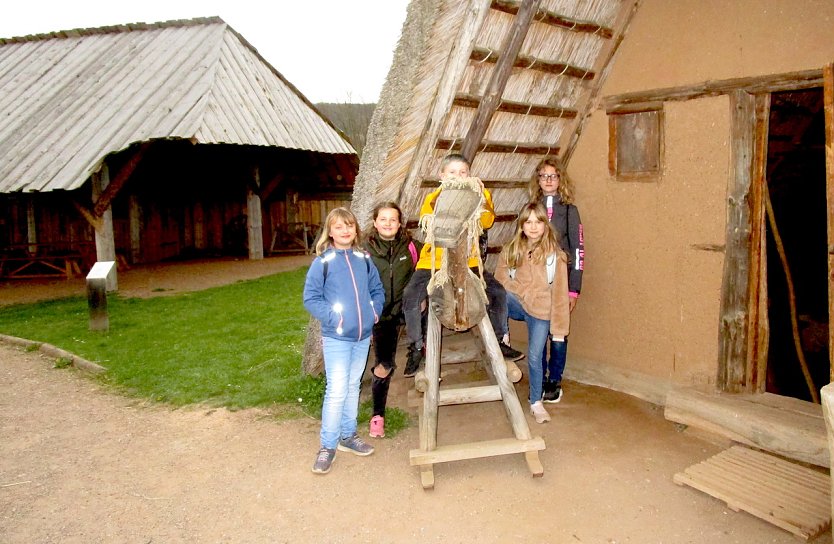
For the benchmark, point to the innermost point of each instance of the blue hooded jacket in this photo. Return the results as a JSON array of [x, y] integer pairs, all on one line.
[[349, 300]]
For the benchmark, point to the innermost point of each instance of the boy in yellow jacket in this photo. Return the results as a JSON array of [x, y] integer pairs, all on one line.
[[453, 165]]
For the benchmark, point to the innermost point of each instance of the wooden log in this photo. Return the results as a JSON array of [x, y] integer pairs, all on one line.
[[782, 425], [513, 372], [507, 106], [547, 17], [533, 63], [499, 369], [429, 419]]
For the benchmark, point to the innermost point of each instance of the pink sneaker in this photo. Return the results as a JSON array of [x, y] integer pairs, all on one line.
[[377, 427]]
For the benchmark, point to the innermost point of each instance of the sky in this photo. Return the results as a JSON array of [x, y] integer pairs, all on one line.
[[331, 50]]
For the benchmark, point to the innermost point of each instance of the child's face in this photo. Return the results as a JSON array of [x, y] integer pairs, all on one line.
[[533, 228], [342, 234], [455, 169], [548, 180], [387, 223]]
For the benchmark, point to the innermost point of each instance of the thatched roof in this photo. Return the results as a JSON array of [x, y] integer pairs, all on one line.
[[445, 75], [68, 99]]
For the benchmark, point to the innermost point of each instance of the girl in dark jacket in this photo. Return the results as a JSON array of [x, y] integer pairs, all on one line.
[[394, 253], [552, 187]]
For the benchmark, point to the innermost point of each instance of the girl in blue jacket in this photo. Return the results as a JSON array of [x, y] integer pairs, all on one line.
[[343, 291]]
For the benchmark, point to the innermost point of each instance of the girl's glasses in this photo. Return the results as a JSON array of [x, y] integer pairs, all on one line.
[[549, 177]]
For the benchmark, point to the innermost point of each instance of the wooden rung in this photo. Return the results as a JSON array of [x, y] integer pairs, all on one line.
[[475, 450], [468, 395]]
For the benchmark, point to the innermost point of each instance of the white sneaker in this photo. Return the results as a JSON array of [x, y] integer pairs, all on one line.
[[538, 411]]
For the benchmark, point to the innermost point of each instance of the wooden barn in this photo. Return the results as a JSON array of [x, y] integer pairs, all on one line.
[[682, 124], [147, 142]]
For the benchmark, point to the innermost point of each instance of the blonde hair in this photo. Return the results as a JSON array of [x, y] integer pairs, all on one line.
[[520, 246], [565, 188], [324, 240]]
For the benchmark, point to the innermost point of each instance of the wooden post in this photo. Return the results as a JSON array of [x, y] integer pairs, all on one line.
[[105, 242], [134, 212], [253, 226], [828, 83], [199, 226], [732, 336], [31, 225]]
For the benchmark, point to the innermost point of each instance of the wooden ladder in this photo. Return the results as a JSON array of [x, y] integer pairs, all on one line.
[[429, 452]]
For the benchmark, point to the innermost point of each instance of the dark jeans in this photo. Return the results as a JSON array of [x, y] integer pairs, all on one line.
[[385, 336], [554, 367], [415, 293]]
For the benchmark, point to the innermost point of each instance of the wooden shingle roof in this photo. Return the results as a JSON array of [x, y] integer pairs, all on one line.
[[68, 99]]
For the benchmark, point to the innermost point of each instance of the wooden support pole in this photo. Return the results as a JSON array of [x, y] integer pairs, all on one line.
[[498, 79], [134, 212], [828, 98], [105, 240]]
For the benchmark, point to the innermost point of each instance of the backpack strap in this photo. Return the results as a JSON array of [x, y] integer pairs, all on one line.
[[413, 251]]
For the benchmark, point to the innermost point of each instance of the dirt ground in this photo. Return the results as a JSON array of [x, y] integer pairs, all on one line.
[[79, 464]]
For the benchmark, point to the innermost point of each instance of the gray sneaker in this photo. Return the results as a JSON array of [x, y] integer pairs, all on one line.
[[355, 445], [324, 460]]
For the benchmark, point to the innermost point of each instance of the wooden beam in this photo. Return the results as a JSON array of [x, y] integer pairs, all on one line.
[[733, 324], [506, 106], [553, 19], [757, 84], [500, 147], [828, 99], [453, 70], [516, 183], [92, 220], [498, 79], [533, 63], [113, 188], [500, 217]]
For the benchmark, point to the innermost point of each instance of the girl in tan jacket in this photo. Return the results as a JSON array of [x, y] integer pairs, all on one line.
[[533, 270]]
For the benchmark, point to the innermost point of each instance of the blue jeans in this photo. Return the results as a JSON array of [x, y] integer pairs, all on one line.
[[344, 364], [552, 370], [537, 331]]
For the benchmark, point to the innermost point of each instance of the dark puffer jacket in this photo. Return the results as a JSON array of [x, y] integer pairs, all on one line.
[[395, 264]]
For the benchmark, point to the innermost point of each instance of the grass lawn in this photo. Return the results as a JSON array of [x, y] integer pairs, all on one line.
[[236, 346]]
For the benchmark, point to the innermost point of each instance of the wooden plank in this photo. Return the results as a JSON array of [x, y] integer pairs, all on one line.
[[795, 498], [475, 450], [432, 371], [469, 395]]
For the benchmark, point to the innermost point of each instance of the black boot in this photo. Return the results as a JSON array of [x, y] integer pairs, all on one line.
[[415, 358]]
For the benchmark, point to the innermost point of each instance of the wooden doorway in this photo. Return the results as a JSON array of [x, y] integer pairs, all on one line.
[[795, 246]]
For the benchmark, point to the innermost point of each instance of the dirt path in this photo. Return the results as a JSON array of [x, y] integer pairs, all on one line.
[[80, 464]]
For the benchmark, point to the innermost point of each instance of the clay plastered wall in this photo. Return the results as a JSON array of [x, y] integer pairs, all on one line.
[[650, 300], [680, 42], [649, 311]]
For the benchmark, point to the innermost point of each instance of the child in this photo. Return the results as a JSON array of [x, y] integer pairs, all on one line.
[[453, 165], [534, 271], [343, 291], [394, 253], [551, 186]]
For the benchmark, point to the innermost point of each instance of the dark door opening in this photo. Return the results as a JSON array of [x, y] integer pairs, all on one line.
[[796, 181]]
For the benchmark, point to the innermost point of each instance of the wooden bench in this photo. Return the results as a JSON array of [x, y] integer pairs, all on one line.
[[40, 266]]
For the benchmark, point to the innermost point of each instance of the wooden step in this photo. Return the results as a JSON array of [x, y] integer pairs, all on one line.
[[788, 495]]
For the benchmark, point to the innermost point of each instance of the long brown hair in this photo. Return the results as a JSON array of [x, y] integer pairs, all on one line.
[[565, 189], [384, 206], [345, 215], [520, 246]]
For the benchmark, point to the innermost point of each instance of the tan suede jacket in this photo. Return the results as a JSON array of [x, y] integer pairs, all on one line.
[[540, 299]]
